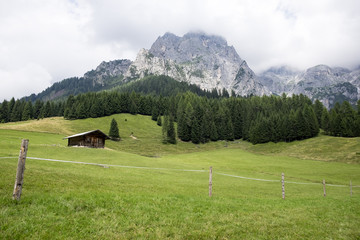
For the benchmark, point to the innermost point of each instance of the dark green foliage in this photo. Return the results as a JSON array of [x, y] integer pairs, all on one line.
[[325, 121], [114, 130], [168, 130], [4, 112], [318, 108], [74, 86], [16, 111], [164, 86], [171, 134], [154, 112], [27, 112], [158, 122], [203, 118], [37, 109], [344, 121]]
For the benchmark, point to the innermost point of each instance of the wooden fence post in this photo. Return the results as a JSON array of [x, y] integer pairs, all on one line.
[[350, 188], [210, 182], [324, 187], [20, 170], [283, 185]]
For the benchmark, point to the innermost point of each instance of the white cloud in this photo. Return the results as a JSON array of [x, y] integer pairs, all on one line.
[[23, 81], [68, 38]]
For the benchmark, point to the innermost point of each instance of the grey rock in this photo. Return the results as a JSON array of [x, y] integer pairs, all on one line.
[[329, 85], [200, 59], [107, 70]]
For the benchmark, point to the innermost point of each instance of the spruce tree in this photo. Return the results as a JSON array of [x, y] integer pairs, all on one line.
[[154, 112], [16, 112], [27, 113], [37, 109], [165, 128], [171, 134], [357, 121], [4, 114], [213, 132], [81, 111], [348, 116], [318, 108], [229, 130], [114, 130], [325, 121], [195, 130], [158, 122], [335, 123]]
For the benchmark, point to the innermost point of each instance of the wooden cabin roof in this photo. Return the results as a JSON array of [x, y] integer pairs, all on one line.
[[97, 132]]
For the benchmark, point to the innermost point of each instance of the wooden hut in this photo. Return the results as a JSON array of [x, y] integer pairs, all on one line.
[[93, 139]]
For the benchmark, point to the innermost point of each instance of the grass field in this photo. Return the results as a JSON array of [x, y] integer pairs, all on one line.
[[77, 201]]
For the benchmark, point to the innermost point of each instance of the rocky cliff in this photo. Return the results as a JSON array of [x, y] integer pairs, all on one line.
[[200, 59], [329, 85]]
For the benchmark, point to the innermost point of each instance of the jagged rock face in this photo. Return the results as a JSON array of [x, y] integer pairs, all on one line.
[[279, 80], [108, 69], [196, 58], [329, 85]]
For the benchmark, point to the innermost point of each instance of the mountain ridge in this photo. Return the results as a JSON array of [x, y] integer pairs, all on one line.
[[210, 63], [327, 84]]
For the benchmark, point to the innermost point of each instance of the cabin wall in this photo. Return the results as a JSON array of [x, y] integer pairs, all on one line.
[[87, 141]]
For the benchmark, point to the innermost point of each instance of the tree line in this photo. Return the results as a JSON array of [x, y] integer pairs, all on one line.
[[201, 119], [21, 110]]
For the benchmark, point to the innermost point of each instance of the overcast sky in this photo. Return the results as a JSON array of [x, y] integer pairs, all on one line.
[[45, 41]]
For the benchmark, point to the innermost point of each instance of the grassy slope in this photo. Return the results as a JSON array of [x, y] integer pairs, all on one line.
[[148, 139], [63, 200]]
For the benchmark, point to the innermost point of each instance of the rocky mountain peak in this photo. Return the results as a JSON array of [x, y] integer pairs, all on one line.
[[283, 70], [198, 58], [191, 46], [329, 85]]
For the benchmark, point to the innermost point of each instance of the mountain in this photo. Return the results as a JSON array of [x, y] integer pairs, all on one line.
[[329, 85], [200, 59], [210, 63], [106, 76], [196, 58]]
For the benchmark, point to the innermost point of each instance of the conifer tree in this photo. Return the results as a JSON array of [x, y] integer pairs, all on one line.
[[159, 121], [27, 113], [16, 112], [318, 109], [335, 123], [325, 121], [357, 120], [81, 111], [195, 130], [171, 134], [213, 131], [165, 129], [154, 112], [229, 130], [4, 112], [10, 107], [348, 116], [114, 130], [37, 109]]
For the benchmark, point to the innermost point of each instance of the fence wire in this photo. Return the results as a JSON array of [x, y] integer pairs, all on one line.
[[182, 170]]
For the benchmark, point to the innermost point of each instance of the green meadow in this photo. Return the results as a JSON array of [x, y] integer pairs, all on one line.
[[147, 191]]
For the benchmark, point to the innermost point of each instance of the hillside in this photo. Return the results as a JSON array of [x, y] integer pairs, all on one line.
[[140, 135], [165, 196]]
